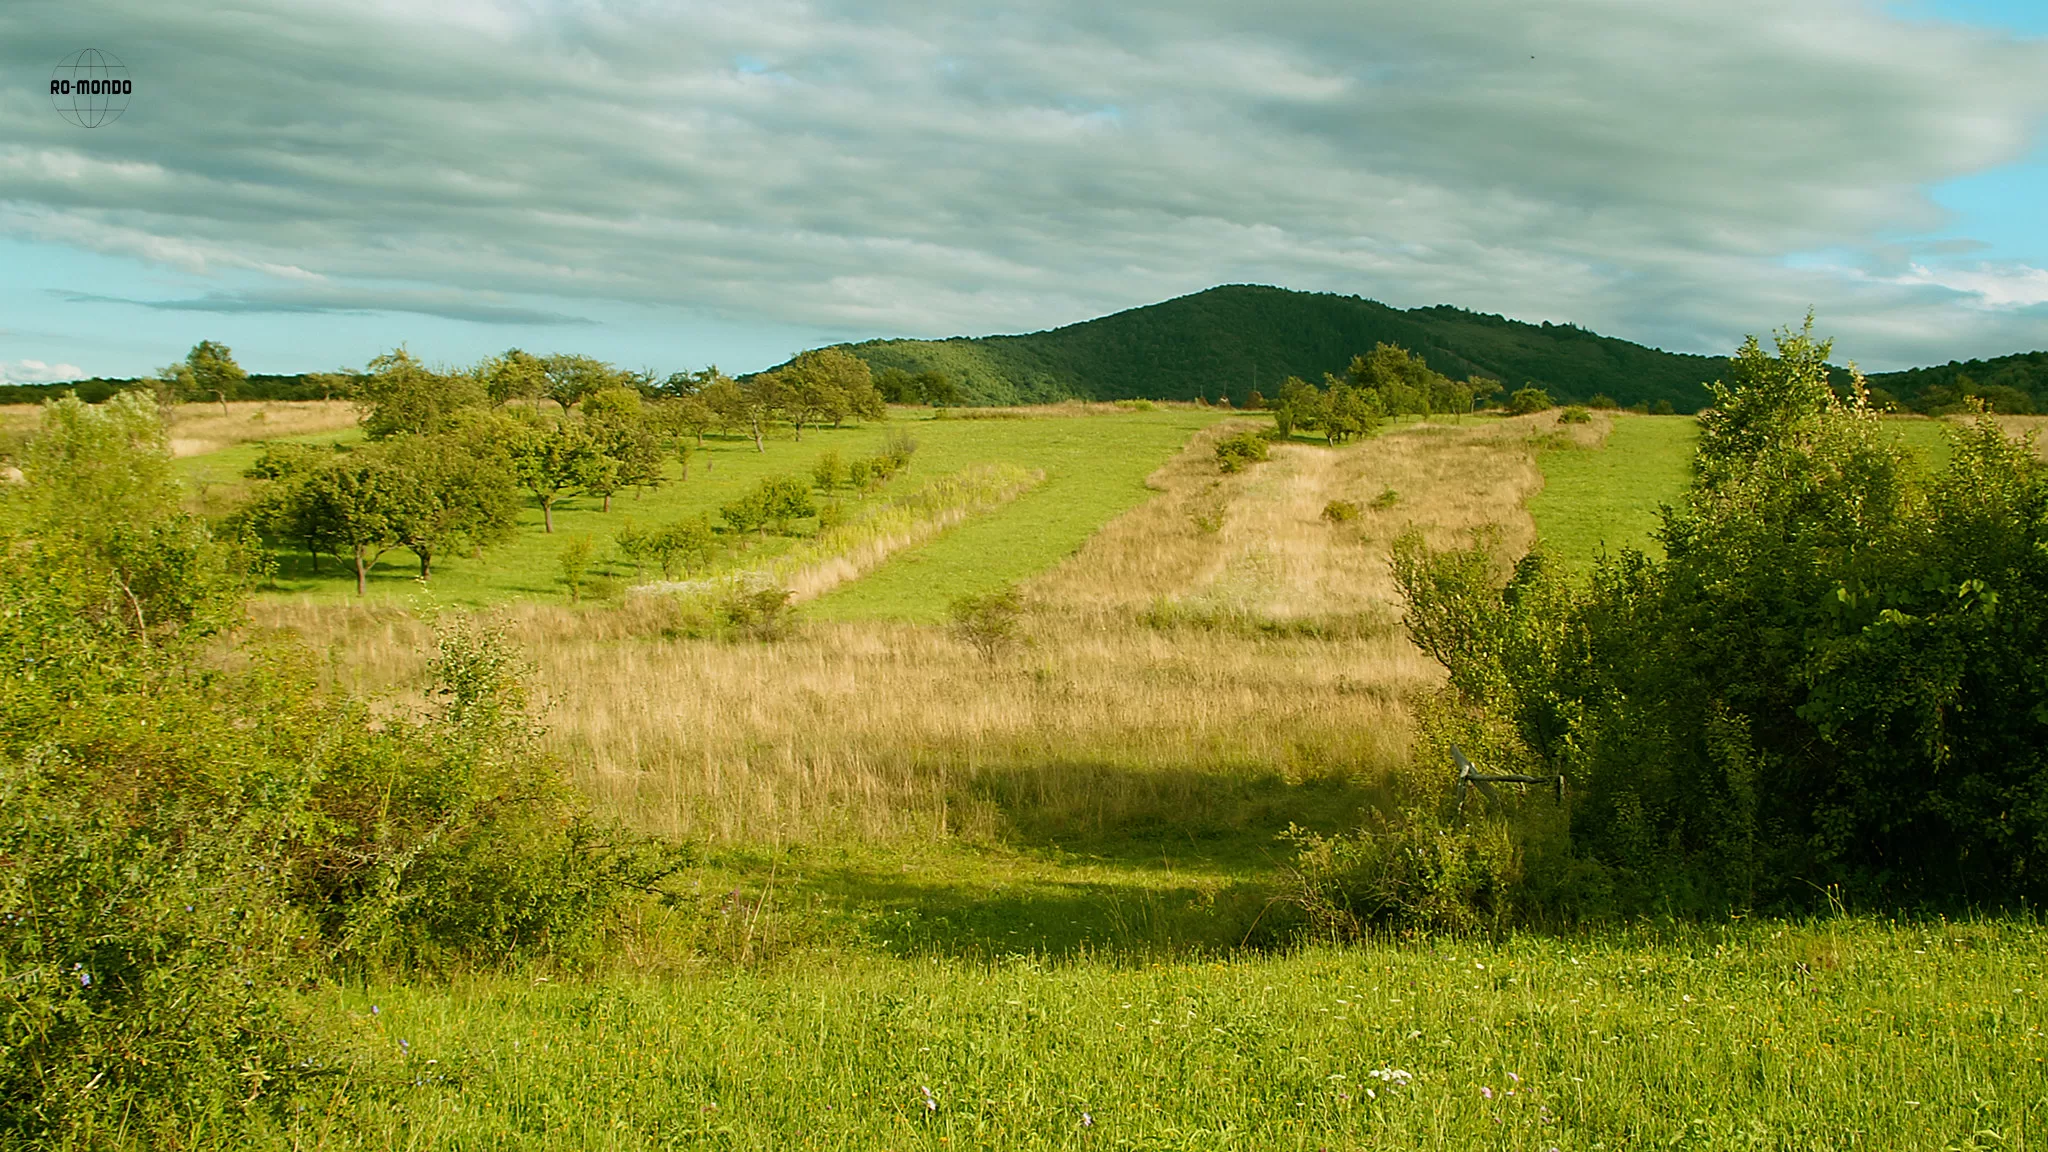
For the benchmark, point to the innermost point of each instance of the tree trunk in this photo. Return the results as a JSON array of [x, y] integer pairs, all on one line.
[[758, 446], [607, 502], [426, 562], [362, 572], [547, 513]]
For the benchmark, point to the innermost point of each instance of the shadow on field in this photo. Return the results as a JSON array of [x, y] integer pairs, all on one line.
[[911, 916], [1149, 817]]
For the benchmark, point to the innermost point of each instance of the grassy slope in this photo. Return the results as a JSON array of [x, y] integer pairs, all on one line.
[[1607, 498], [1095, 468], [1834, 1035], [1096, 464]]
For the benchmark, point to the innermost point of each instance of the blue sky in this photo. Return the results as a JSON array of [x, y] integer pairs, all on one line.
[[673, 184]]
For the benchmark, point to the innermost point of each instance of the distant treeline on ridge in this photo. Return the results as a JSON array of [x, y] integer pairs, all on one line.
[[1230, 342]]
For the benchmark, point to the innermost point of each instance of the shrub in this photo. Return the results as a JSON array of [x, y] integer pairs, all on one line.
[[1527, 401], [988, 621], [1385, 500], [1339, 511], [1603, 402], [829, 471], [1236, 453], [756, 613], [1574, 415], [1407, 873], [574, 562], [1832, 678]]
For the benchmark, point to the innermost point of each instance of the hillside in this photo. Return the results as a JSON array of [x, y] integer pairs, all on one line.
[[1229, 340], [1934, 388]]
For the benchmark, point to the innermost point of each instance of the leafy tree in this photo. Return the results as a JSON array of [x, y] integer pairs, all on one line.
[[353, 505], [988, 621], [829, 471], [1298, 405], [571, 378], [937, 389], [679, 416], [897, 386], [208, 370], [556, 459], [685, 544], [619, 426], [744, 407], [774, 501], [1236, 453], [398, 394], [514, 376], [463, 493]]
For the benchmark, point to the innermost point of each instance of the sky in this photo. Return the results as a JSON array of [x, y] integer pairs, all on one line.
[[672, 184]]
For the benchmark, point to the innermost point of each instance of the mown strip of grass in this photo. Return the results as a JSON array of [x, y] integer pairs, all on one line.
[[1759, 1034]]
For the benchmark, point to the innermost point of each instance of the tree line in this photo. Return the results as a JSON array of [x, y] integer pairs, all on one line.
[[452, 453]]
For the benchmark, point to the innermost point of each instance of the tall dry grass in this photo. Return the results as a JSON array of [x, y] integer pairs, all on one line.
[[197, 429], [1100, 720]]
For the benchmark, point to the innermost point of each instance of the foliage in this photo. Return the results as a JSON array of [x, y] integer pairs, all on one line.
[[208, 371], [829, 471], [686, 544], [560, 458], [1236, 453], [1340, 511], [988, 620], [574, 561], [1833, 679], [398, 394], [1573, 414], [1528, 401], [1240, 339], [2017, 383]]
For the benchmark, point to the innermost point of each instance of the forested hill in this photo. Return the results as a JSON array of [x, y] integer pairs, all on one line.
[[1228, 340]]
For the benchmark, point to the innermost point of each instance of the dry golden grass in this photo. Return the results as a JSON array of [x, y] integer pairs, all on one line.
[[2034, 426], [197, 429], [1099, 720]]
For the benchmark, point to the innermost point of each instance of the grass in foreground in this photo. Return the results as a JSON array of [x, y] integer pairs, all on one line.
[[1845, 1034]]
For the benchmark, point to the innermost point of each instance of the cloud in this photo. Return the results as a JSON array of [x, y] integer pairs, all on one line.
[[37, 372], [928, 168], [2015, 286], [448, 305]]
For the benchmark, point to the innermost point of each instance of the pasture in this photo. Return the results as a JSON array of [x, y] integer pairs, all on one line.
[[1034, 897]]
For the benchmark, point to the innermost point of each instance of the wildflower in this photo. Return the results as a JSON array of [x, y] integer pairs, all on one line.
[[1515, 1078], [931, 1103], [1486, 1092], [1087, 1121]]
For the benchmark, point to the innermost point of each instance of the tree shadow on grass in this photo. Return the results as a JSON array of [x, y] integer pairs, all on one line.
[[1060, 920]]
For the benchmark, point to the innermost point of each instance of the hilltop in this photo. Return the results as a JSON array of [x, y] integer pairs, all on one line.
[[1228, 340]]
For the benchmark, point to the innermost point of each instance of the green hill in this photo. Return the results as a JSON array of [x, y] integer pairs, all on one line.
[[2024, 374], [1229, 340]]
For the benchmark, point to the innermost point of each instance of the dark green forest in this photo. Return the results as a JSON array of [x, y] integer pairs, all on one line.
[[1233, 340]]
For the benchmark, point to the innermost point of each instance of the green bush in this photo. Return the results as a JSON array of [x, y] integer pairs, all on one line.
[[1527, 401], [1340, 511], [1574, 415], [988, 621], [1385, 500], [1833, 678], [829, 471], [1408, 872], [1236, 453]]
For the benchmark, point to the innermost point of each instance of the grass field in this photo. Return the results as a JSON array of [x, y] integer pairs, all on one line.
[[1034, 899], [1094, 459]]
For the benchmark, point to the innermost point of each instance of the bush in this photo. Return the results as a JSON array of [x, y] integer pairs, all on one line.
[[1407, 873], [1832, 678], [1528, 401], [1601, 401], [829, 471], [1236, 453], [988, 621], [574, 562], [1385, 500], [1574, 415], [1340, 511]]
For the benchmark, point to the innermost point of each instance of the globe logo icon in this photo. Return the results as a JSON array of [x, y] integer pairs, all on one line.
[[90, 88]]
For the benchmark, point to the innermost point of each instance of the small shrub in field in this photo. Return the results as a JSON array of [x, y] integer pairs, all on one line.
[[757, 614], [1407, 873], [1208, 521], [773, 502], [1527, 401], [1663, 408], [1385, 500], [1236, 453], [898, 449], [860, 474], [829, 471], [1340, 511], [1603, 402], [574, 561], [988, 621], [1574, 415]]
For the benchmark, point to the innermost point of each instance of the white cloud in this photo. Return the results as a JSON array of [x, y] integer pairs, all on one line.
[[37, 372], [931, 168], [2014, 286]]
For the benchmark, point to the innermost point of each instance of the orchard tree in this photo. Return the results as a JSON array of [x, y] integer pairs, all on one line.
[[571, 378], [464, 493], [399, 394], [743, 407], [515, 375], [557, 459], [352, 506], [617, 421]]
